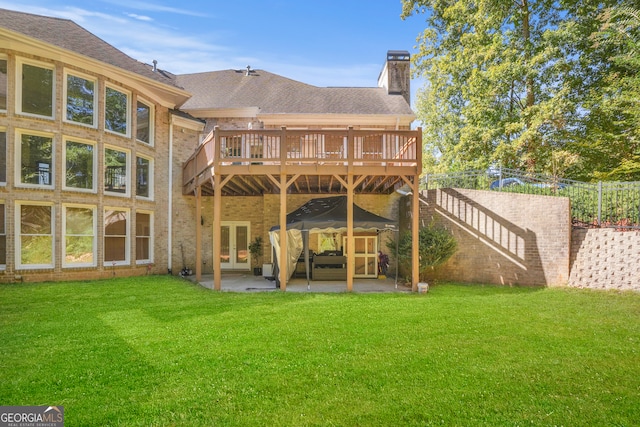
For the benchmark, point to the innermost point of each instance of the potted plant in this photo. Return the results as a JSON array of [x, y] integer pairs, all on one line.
[[255, 248]]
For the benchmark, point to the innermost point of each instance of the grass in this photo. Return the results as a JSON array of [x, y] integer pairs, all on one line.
[[161, 351]]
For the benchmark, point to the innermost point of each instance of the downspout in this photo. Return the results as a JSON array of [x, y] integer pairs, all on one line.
[[170, 204]]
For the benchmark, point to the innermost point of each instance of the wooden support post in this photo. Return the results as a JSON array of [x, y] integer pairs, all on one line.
[[217, 210], [415, 219], [217, 233], [198, 234], [351, 250], [283, 232], [415, 233]]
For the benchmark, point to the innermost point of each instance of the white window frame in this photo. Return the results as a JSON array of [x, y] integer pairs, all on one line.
[[94, 210], [4, 156], [94, 188], [127, 134], [18, 236], [127, 236], [96, 89], [18, 159], [152, 114], [20, 62], [3, 203], [4, 57], [127, 193], [149, 177], [150, 238]]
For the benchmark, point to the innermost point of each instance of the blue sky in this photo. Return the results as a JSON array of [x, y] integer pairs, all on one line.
[[327, 43]]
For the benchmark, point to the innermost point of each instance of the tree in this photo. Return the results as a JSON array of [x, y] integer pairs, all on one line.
[[508, 81], [610, 144]]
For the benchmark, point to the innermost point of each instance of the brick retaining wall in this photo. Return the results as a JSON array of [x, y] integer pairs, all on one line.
[[503, 238], [507, 238]]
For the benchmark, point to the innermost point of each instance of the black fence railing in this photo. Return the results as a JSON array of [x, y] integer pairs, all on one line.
[[601, 204]]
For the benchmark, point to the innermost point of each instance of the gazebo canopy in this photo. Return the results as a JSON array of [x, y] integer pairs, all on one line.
[[324, 214], [330, 213]]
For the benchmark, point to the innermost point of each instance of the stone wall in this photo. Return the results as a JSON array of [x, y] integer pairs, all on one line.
[[605, 259], [503, 238]]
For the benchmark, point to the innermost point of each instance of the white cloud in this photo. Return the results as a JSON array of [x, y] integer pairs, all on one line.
[[151, 7], [79, 16], [139, 17]]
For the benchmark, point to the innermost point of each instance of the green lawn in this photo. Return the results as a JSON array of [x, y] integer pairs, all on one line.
[[160, 351]]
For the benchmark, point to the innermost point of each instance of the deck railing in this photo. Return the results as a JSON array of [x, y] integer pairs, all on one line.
[[284, 148]]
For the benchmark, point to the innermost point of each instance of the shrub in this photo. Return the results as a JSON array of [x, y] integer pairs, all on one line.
[[436, 245]]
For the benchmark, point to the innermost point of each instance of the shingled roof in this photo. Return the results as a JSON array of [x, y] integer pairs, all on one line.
[[68, 35], [274, 94], [271, 93]]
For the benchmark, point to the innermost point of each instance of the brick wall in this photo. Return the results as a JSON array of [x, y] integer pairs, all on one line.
[[261, 212], [183, 222], [605, 259], [509, 239]]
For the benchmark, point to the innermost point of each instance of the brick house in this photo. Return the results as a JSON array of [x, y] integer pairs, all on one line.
[[109, 166]]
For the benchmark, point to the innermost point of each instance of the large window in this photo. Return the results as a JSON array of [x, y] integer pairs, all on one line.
[[144, 175], [35, 236], [3, 157], [80, 161], [35, 157], [144, 247], [116, 115], [116, 167], [3, 236], [80, 100], [36, 90], [116, 237], [144, 122], [79, 236], [3, 84]]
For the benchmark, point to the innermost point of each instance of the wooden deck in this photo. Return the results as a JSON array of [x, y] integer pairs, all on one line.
[[250, 162], [347, 161]]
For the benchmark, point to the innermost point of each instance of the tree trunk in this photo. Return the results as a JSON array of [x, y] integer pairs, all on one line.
[[529, 83]]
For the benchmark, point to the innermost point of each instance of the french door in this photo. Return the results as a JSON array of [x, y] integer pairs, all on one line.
[[234, 245]]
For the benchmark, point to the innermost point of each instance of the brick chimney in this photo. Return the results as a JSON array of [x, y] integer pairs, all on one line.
[[396, 74]]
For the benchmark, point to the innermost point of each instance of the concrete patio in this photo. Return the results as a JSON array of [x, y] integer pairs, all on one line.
[[245, 282]]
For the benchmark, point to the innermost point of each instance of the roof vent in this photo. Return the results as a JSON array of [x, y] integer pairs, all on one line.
[[248, 70], [155, 65]]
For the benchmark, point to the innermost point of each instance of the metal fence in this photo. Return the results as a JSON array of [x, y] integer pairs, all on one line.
[[601, 204]]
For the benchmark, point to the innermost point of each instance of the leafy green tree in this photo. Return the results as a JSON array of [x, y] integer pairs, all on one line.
[[610, 140], [509, 82]]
